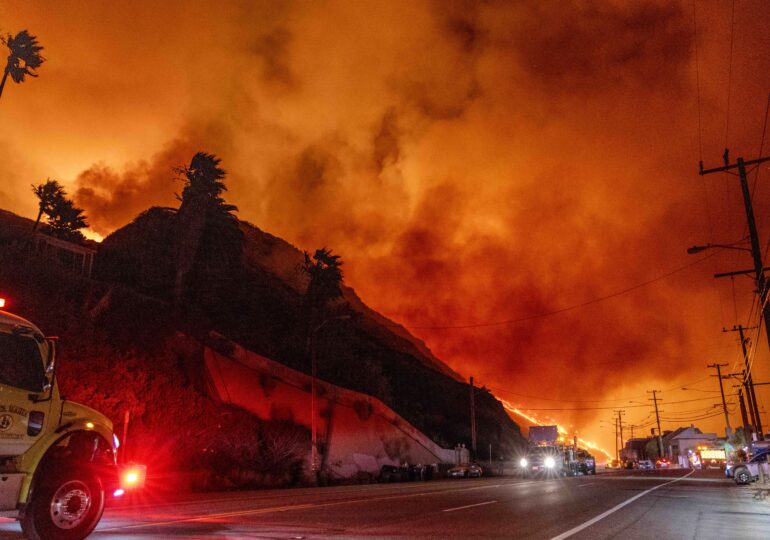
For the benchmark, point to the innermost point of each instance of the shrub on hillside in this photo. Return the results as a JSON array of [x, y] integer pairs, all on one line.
[[173, 427]]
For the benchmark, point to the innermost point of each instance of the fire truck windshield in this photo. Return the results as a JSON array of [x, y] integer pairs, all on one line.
[[20, 363]]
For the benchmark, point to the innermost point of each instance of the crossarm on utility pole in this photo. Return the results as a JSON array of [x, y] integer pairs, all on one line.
[[732, 166]]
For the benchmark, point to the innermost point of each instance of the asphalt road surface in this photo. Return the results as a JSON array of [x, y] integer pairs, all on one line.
[[625, 504]]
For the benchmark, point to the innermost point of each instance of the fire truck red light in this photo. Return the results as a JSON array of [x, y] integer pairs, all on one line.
[[131, 478]]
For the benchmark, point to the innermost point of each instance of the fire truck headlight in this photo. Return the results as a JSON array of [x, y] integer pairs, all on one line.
[[523, 462], [549, 462]]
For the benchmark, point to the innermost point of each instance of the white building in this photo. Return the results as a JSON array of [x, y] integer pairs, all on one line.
[[677, 443]]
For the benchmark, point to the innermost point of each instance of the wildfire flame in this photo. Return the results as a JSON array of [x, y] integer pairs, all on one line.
[[561, 429]]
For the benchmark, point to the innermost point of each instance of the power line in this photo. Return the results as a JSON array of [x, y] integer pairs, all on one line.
[[561, 310], [497, 389], [611, 408], [696, 418], [730, 73], [507, 392], [697, 76]]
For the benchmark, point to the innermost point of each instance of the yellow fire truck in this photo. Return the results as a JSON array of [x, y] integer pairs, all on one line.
[[711, 457], [58, 459]]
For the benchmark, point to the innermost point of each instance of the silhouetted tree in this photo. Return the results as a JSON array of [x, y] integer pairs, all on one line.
[[204, 218], [324, 274], [66, 220], [24, 57], [47, 195]]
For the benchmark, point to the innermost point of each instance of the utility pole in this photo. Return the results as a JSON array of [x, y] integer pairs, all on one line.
[[747, 380], [752, 397], [728, 429], [741, 402], [620, 424], [753, 234], [617, 454], [473, 422], [126, 417], [654, 399]]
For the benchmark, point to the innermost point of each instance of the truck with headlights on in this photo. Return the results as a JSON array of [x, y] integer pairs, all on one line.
[[542, 461], [548, 455], [58, 459]]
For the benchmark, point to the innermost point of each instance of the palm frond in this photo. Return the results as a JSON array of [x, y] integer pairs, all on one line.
[[25, 55]]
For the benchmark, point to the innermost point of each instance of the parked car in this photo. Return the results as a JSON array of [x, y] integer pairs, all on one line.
[[746, 473], [644, 464], [663, 463], [465, 470], [391, 473]]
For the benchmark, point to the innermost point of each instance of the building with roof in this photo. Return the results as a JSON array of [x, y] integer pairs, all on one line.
[[676, 443]]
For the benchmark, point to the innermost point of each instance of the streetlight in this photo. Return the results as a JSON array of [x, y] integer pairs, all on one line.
[[697, 249], [311, 350]]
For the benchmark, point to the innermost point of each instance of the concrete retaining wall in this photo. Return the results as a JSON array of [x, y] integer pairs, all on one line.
[[358, 432]]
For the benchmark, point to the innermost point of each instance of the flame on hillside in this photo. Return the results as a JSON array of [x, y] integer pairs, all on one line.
[[562, 430]]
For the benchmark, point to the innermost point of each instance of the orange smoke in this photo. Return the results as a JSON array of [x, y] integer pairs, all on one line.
[[471, 167]]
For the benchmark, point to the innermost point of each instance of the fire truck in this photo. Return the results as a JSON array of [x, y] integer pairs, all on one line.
[[58, 459], [709, 457], [550, 455]]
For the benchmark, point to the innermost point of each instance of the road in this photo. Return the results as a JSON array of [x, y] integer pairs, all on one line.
[[629, 505]]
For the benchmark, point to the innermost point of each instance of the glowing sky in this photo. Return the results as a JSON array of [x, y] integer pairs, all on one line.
[[472, 162]]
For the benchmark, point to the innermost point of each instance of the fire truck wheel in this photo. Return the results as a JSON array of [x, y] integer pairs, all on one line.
[[66, 506]]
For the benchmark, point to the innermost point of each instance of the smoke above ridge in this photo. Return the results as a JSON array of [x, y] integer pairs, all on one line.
[[472, 162]]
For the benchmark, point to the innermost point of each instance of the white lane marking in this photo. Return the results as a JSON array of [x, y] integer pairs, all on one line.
[[257, 511], [469, 506], [603, 515], [656, 478], [588, 484]]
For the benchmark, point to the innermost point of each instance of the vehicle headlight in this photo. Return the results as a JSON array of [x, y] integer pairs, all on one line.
[[550, 462], [523, 462]]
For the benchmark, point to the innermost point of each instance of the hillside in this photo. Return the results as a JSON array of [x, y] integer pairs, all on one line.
[[125, 311]]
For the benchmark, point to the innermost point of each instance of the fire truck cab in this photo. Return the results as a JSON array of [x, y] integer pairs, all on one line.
[[58, 459]]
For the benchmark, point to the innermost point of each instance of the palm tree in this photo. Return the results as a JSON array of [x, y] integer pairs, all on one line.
[[24, 58], [202, 206], [66, 220], [47, 195], [324, 274]]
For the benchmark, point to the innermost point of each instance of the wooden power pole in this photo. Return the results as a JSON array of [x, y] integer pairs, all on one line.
[[756, 252], [473, 422], [654, 399], [728, 429]]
